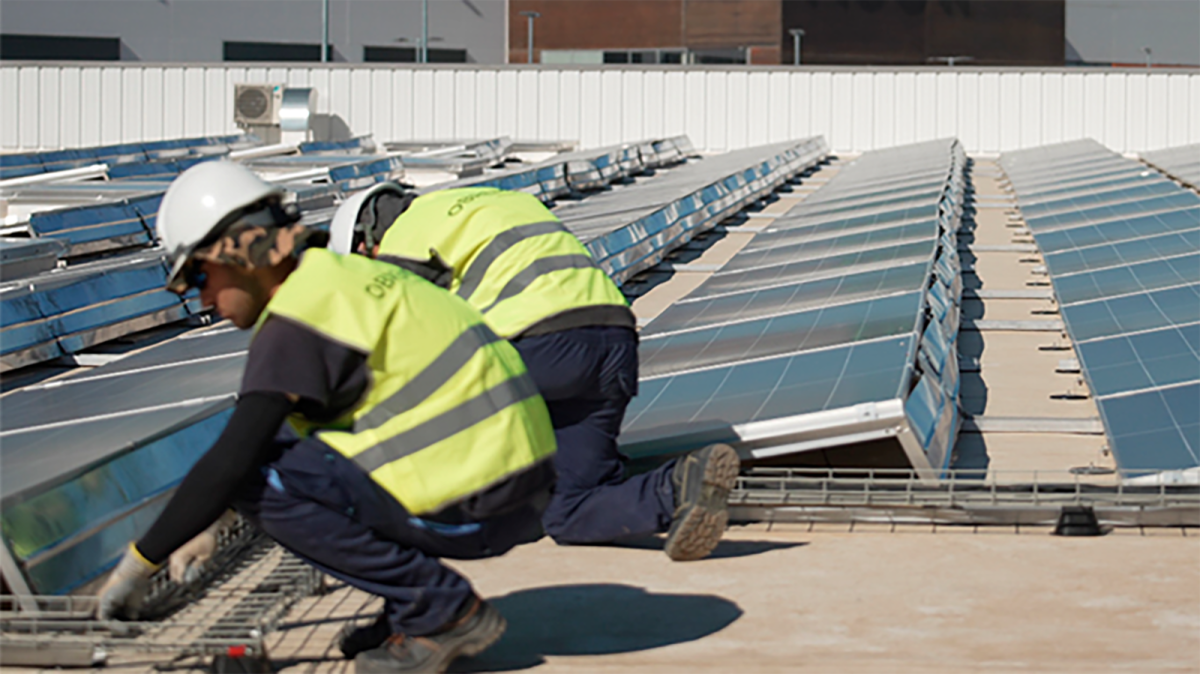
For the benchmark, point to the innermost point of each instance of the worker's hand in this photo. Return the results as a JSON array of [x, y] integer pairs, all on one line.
[[124, 592], [188, 561]]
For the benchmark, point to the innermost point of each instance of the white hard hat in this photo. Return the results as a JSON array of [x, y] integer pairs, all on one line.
[[202, 201], [357, 214]]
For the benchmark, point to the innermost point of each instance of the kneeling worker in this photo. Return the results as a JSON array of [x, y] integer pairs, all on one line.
[[421, 434], [507, 255]]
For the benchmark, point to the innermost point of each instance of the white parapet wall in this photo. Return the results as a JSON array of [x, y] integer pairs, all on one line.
[[56, 105]]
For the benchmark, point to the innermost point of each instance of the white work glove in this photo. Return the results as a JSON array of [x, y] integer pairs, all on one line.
[[188, 561], [124, 592]]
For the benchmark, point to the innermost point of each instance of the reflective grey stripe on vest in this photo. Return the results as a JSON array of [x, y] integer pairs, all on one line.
[[420, 387], [496, 247], [539, 268], [448, 423]]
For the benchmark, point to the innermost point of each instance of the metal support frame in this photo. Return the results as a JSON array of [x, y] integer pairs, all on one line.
[[960, 497]]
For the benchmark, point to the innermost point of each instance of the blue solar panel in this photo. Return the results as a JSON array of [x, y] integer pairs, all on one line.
[[844, 301], [1127, 277]]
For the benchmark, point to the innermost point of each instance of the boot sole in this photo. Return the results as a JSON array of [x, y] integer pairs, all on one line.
[[488, 632], [699, 530]]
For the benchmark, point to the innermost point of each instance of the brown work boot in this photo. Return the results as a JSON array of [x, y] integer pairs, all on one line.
[[702, 480], [478, 628]]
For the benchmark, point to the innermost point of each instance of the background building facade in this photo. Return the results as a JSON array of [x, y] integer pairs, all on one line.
[[209, 31]]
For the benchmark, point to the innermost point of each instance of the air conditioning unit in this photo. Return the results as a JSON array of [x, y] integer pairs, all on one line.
[[257, 105]]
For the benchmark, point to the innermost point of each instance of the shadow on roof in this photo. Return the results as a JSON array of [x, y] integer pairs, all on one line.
[[596, 619]]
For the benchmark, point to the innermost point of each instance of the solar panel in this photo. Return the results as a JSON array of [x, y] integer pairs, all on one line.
[[812, 338], [1127, 278], [1181, 163], [89, 460]]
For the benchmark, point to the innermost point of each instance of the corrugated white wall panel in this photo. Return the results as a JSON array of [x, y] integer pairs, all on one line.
[[48, 105], [89, 103], [1114, 111], [569, 104], [654, 98], [674, 104], [1179, 114], [1157, 115], [716, 136], [590, 115], [29, 111], [1194, 108], [758, 108], [821, 93], [70, 109], [10, 102], [737, 112], [50, 126], [862, 90], [362, 103], [946, 111], [632, 106], [968, 109]]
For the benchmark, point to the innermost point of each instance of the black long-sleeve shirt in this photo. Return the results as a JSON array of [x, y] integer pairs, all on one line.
[[289, 369]]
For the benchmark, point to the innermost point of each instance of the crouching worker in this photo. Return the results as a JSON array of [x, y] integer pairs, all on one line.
[[421, 435], [536, 285]]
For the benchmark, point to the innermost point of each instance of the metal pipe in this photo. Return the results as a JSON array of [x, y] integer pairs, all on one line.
[[530, 16], [424, 31], [264, 151], [324, 31], [796, 34]]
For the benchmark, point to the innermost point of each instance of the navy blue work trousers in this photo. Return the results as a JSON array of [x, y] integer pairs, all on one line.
[[587, 376], [326, 510]]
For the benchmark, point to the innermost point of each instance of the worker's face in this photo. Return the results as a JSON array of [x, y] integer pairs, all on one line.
[[234, 292]]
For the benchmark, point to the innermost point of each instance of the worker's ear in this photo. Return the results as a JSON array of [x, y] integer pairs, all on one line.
[[362, 248], [375, 252]]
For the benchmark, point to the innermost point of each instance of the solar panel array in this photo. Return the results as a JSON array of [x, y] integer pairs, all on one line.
[[1181, 163], [582, 171], [630, 230], [1122, 249], [835, 326], [90, 460], [125, 156]]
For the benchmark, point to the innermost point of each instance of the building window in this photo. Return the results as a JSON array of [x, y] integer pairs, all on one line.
[[409, 55], [59, 48], [273, 51], [651, 56]]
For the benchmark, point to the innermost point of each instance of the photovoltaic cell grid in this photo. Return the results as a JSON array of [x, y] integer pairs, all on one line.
[[1127, 278], [836, 325], [90, 460]]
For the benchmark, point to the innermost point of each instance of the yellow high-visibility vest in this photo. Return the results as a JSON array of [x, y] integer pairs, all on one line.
[[509, 257], [451, 409]]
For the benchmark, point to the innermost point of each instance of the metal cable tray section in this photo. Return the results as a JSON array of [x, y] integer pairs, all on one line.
[[228, 612], [963, 497]]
